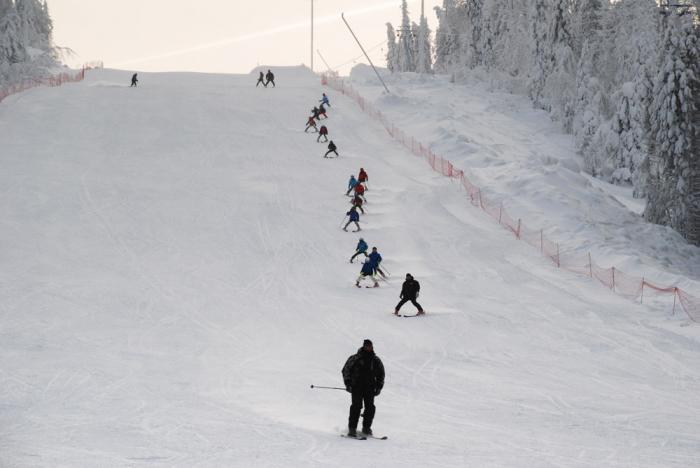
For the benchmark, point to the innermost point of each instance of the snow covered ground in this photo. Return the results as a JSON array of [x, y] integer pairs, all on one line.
[[174, 279], [518, 155]]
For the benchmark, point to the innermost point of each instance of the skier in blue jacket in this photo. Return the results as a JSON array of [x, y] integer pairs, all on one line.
[[354, 218], [360, 249], [324, 100], [351, 184], [367, 272], [376, 259]]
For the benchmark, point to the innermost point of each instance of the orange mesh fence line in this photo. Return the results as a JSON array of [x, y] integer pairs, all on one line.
[[625, 285], [54, 80]]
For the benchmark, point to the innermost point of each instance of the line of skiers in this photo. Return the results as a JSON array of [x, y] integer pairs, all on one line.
[[317, 113], [266, 79]]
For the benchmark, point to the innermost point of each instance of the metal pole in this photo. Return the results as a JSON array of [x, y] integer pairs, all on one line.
[[312, 35], [342, 15], [324, 60]]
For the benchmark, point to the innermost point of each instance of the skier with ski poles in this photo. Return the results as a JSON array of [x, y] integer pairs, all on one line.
[[376, 259], [354, 218], [367, 271], [363, 374], [360, 191], [331, 149], [351, 184], [360, 249], [261, 80], [409, 292], [324, 100], [270, 77], [322, 112], [323, 132], [357, 203], [362, 177], [315, 113], [311, 123]]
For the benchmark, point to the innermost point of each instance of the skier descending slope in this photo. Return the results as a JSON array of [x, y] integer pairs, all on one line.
[[331, 149], [261, 80], [351, 184], [357, 203], [311, 123], [376, 259], [322, 112], [270, 77], [362, 177], [354, 218], [363, 374], [360, 249], [409, 292], [367, 272], [323, 132], [324, 101]]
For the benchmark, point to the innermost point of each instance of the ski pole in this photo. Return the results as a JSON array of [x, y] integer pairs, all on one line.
[[328, 388], [344, 218]]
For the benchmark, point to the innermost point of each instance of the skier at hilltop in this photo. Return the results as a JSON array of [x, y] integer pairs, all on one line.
[[134, 80], [360, 249], [261, 80], [351, 184], [409, 292], [363, 374], [367, 271], [270, 77], [331, 149], [311, 123], [354, 218], [322, 132], [324, 101]]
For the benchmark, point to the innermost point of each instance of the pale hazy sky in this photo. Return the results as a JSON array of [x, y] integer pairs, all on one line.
[[224, 35]]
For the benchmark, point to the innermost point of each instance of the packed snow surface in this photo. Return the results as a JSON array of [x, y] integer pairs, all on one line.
[[174, 279]]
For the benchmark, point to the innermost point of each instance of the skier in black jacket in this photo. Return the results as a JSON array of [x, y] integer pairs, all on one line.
[[409, 292], [363, 374], [332, 149], [261, 80], [270, 77], [134, 80]]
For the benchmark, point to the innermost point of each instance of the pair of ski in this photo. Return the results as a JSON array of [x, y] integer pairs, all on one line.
[[415, 315], [363, 437]]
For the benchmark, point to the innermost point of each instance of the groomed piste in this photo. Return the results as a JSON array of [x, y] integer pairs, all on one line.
[[174, 277]]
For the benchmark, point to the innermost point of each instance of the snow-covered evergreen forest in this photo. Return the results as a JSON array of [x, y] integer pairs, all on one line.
[[25, 40], [621, 76]]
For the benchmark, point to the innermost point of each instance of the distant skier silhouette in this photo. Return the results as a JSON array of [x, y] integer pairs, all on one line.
[[270, 77], [261, 80], [134, 80]]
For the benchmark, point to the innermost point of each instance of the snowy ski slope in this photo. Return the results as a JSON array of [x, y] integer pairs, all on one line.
[[174, 279]]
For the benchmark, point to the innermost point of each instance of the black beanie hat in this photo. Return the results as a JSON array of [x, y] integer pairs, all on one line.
[[367, 343]]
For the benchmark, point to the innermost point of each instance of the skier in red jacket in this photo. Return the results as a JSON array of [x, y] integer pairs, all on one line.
[[323, 132]]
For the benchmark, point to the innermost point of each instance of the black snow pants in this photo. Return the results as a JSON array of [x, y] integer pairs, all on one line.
[[336, 155], [405, 300], [358, 398]]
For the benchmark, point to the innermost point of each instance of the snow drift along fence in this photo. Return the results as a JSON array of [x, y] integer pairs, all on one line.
[[54, 80], [619, 282]]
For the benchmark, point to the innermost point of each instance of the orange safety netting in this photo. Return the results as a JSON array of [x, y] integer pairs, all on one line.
[[53, 80], [621, 283]]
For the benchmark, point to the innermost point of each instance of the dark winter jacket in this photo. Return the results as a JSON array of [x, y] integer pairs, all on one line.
[[354, 215], [321, 109], [359, 189], [362, 177], [357, 201], [332, 147], [410, 289], [269, 76], [323, 130], [367, 268], [361, 246], [364, 372], [375, 259]]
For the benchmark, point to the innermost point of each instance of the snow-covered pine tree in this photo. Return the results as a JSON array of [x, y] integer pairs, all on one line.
[[542, 52], [473, 9], [391, 51], [406, 61], [673, 195], [588, 105], [12, 48], [424, 54], [560, 89], [35, 23], [449, 36]]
